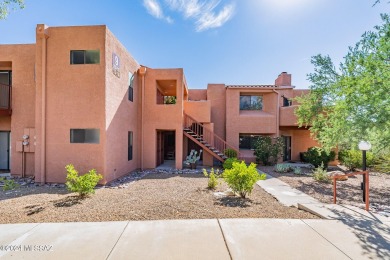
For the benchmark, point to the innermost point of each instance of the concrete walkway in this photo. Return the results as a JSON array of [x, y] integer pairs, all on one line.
[[291, 197], [195, 239]]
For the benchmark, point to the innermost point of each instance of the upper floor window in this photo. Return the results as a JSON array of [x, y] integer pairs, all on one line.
[[131, 81], [5, 77], [251, 102], [84, 57], [286, 102]]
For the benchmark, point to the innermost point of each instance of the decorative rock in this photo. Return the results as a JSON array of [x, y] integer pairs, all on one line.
[[338, 173], [227, 193]]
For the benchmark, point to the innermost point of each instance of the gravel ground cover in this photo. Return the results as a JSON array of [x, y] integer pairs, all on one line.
[[348, 192], [139, 196]]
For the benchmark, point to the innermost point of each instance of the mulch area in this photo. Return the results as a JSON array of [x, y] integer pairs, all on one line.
[[153, 197], [348, 192]]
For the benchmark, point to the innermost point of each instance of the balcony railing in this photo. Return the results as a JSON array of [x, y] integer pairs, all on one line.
[[5, 98]]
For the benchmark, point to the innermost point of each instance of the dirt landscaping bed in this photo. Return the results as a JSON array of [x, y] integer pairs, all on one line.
[[348, 192], [155, 196]]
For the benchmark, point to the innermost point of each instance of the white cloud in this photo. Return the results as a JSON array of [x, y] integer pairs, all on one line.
[[203, 12], [154, 9], [212, 20]]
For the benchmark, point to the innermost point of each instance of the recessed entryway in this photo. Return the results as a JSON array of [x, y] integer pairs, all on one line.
[[166, 146]]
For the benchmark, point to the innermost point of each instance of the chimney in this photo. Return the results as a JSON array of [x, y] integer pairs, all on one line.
[[283, 79]]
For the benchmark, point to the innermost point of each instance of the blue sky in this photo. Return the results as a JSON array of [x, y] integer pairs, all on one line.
[[215, 41]]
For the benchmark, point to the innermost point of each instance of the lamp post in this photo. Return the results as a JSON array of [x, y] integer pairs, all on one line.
[[364, 147]]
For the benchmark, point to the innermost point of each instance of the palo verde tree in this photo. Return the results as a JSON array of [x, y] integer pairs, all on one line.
[[352, 102], [6, 6]]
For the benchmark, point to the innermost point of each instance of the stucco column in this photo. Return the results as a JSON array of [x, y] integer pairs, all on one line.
[[142, 72], [43, 35], [277, 112]]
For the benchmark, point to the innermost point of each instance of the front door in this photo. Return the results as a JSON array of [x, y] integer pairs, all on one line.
[[286, 148], [4, 150], [160, 148]]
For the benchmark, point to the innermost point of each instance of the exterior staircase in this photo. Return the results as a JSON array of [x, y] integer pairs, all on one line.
[[206, 139]]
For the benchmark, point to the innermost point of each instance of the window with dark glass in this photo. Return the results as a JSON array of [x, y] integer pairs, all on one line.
[[247, 141], [251, 102], [130, 146], [286, 102], [131, 80], [5, 89], [84, 57], [85, 136]]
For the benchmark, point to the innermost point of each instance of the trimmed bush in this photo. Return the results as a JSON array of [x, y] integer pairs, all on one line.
[[353, 159], [241, 178], [213, 178], [230, 153], [9, 184], [228, 163], [318, 156], [268, 149], [84, 184], [321, 175], [282, 168]]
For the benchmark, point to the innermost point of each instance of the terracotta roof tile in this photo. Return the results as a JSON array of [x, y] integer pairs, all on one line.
[[251, 86]]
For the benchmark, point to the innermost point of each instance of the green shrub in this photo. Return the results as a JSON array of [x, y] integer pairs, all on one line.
[[228, 163], [318, 156], [83, 184], [213, 178], [297, 170], [383, 164], [9, 184], [353, 159], [268, 149], [282, 168], [241, 178], [321, 175], [230, 153]]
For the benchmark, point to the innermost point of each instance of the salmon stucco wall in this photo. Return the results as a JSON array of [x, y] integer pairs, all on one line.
[[216, 93], [246, 121], [300, 141], [22, 58], [75, 99], [161, 116], [121, 113], [287, 116], [5, 123], [197, 94], [198, 110]]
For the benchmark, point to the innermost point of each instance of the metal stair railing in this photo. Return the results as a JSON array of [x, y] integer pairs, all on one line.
[[206, 136]]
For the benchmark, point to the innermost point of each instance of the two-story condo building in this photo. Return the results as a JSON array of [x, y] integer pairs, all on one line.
[[77, 96]]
